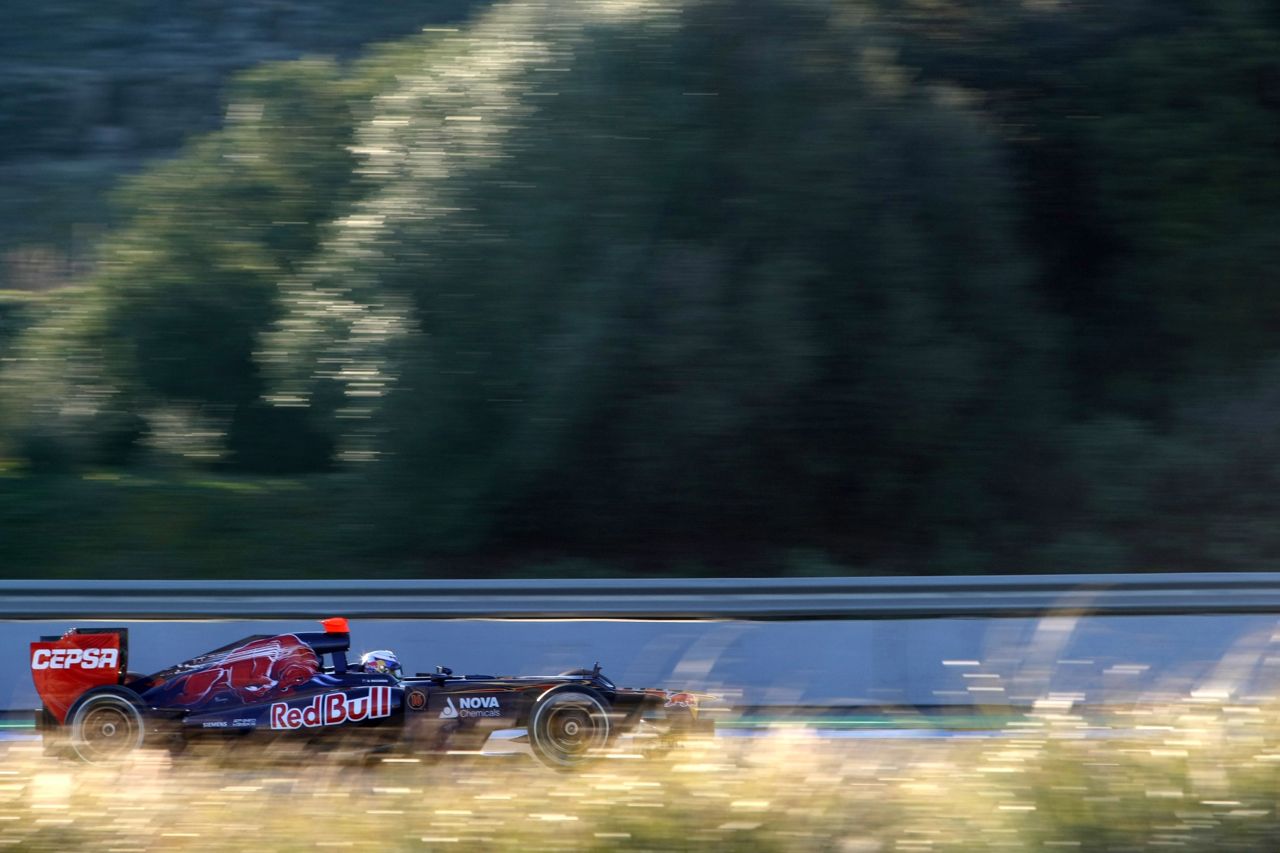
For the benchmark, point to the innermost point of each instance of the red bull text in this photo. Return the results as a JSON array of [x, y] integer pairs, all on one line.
[[331, 709]]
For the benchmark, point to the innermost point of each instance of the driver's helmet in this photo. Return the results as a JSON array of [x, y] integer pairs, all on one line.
[[381, 662]]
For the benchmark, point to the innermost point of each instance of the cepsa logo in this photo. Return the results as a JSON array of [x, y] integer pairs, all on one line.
[[333, 708], [75, 658]]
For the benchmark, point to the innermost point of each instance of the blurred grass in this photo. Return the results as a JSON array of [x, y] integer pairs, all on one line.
[[176, 523], [1186, 776], [181, 524]]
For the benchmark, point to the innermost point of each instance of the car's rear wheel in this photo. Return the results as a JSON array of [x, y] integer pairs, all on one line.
[[567, 728], [105, 727]]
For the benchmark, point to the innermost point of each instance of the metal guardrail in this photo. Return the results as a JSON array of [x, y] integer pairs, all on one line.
[[719, 598]]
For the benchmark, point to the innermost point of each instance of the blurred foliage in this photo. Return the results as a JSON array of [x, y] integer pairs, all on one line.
[[1145, 137], [1190, 774], [686, 286], [90, 91], [608, 294]]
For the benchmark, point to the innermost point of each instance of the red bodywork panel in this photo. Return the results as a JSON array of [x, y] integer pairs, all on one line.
[[65, 668], [253, 672]]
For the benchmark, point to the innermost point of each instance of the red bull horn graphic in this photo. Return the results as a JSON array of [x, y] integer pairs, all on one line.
[[256, 671]]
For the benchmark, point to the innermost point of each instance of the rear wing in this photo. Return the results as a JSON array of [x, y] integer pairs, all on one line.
[[63, 668]]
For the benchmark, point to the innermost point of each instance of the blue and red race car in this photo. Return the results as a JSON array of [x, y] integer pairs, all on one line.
[[302, 686]]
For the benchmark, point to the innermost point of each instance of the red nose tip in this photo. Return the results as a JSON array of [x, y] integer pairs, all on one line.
[[336, 625]]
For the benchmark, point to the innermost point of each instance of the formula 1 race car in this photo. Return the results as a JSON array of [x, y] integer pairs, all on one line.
[[302, 687]]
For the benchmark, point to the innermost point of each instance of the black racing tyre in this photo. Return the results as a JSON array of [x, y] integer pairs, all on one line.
[[568, 727], [105, 727]]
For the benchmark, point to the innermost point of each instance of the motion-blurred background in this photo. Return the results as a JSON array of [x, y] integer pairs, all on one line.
[[701, 287]]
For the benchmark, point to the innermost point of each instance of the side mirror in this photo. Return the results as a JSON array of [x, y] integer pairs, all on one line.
[[442, 672]]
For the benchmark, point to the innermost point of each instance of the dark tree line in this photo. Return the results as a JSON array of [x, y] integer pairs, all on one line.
[[761, 286]]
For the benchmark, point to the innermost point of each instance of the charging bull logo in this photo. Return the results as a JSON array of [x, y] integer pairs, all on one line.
[[687, 701], [255, 672], [332, 708]]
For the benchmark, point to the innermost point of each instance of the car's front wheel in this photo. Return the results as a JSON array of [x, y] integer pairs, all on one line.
[[105, 727], [568, 727]]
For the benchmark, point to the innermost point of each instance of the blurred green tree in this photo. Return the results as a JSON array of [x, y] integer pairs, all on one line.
[[188, 284], [1143, 134], [1182, 131], [909, 285], [717, 272]]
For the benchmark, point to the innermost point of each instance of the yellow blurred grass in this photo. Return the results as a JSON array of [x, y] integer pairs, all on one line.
[[1190, 776]]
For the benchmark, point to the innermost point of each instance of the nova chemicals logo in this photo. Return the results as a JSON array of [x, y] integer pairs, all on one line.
[[333, 708], [75, 658], [477, 703], [471, 706]]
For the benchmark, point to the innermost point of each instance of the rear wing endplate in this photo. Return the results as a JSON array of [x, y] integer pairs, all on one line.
[[63, 668]]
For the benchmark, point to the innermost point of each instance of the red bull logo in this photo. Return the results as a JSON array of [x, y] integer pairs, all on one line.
[[255, 671], [683, 700], [331, 709]]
